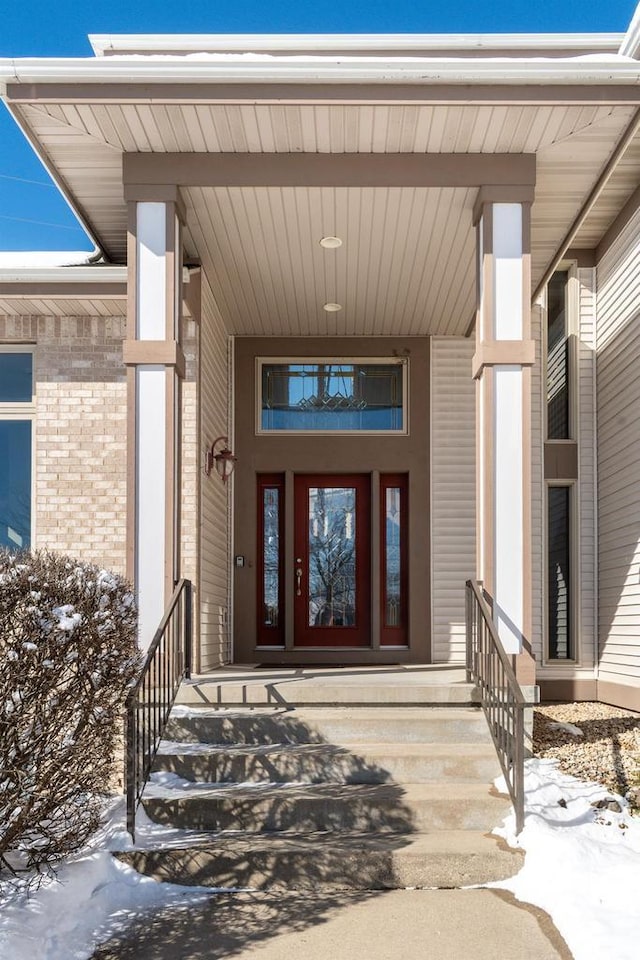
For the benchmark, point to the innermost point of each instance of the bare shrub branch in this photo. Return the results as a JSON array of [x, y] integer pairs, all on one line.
[[68, 655]]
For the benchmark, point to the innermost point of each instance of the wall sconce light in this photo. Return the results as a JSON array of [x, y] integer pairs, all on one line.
[[224, 460]]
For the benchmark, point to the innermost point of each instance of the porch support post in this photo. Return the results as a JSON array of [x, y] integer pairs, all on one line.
[[502, 369], [155, 365]]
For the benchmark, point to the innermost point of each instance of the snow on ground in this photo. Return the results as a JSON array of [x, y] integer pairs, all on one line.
[[582, 864], [94, 897]]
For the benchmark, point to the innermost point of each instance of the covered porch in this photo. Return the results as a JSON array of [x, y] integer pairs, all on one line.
[[454, 197]]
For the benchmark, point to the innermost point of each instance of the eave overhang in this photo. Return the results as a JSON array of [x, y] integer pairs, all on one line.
[[568, 115], [263, 68]]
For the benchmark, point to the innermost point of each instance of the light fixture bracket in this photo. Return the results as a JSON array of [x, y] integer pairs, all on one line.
[[223, 460]]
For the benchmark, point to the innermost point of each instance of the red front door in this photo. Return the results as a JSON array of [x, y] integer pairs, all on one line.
[[332, 560]]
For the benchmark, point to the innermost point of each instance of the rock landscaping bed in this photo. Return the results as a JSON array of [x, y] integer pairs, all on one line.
[[592, 741]]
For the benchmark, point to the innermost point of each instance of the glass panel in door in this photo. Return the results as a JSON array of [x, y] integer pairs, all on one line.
[[332, 561], [332, 556]]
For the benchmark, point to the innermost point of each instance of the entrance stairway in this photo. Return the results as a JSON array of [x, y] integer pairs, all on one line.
[[360, 779]]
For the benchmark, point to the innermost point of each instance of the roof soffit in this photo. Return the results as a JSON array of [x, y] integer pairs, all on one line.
[[85, 143]]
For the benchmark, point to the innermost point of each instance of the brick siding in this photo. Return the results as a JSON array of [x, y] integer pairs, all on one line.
[[81, 437]]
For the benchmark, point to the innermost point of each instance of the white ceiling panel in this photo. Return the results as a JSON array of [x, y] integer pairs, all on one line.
[[407, 262], [405, 266]]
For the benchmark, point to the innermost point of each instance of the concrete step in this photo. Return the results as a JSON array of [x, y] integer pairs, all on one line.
[[329, 725], [333, 861], [327, 691], [330, 807], [317, 763]]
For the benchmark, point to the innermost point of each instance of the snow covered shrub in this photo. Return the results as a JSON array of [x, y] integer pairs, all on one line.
[[67, 657]]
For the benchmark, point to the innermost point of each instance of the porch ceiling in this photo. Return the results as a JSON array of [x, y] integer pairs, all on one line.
[[406, 265]]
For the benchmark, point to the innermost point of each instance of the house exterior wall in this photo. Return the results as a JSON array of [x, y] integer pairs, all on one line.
[[80, 434], [363, 454], [80, 437], [618, 402], [586, 432], [453, 492], [214, 495], [537, 491], [574, 678]]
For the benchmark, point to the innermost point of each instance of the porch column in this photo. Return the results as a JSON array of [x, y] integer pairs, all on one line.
[[502, 369], [155, 366]]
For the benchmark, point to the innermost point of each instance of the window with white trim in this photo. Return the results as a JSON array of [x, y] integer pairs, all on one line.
[[17, 411]]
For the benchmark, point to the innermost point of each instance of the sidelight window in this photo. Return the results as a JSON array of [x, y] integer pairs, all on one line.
[[394, 557], [270, 559]]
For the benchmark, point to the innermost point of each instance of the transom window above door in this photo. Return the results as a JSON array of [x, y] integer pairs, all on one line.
[[332, 395]]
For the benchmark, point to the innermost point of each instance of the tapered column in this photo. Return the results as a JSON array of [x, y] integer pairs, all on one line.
[[502, 368], [155, 365]]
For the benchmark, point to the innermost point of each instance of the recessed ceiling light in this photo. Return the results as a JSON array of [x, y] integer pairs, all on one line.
[[332, 307], [330, 243]]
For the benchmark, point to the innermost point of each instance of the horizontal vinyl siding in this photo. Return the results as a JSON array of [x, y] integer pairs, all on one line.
[[538, 410], [586, 580], [214, 525], [453, 492], [618, 402]]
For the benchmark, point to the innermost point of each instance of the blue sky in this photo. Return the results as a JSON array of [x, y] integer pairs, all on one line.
[[33, 28]]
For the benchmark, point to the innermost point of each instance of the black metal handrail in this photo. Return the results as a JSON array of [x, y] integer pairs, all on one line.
[[501, 696], [149, 703]]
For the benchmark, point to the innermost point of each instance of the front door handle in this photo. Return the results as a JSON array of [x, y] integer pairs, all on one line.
[[298, 577]]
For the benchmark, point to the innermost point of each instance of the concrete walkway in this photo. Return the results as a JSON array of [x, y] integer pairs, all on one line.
[[372, 925]]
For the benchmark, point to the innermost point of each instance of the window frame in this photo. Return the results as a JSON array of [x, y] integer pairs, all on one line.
[[394, 636], [262, 361], [17, 410], [270, 637], [572, 306], [574, 559]]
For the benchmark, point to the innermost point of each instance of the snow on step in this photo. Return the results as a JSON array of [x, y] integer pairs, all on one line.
[[338, 861], [353, 796]]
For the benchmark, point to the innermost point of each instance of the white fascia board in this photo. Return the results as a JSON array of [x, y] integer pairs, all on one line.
[[72, 274], [212, 42], [44, 258], [630, 46], [252, 68]]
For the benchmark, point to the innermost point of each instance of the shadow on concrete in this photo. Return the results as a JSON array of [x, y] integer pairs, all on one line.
[[228, 925]]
